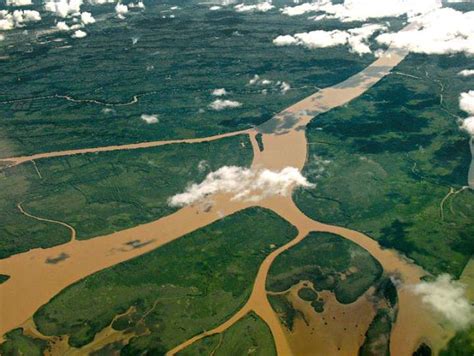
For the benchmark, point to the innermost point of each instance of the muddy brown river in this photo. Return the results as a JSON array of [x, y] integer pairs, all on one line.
[[34, 282]]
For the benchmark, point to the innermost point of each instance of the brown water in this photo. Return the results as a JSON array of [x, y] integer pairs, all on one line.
[[339, 329], [34, 282], [13, 161]]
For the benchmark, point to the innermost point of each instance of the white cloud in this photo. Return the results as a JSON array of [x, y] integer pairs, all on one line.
[[219, 92], [63, 8], [468, 125], [100, 2], [2, 37], [356, 38], [466, 102], [138, 5], [79, 34], [121, 10], [466, 73], [260, 7], [301, 9], [62, 26], [362, 10], [215, 7], [277, 86], [447, 297], [256, 80], [442, 31], [86, 18], [17, 18], [150, 119], [224, 104], [285, 40], [284, 87], [19, 2], [243, 184]]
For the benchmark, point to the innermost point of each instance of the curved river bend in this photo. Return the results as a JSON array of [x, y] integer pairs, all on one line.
[[34, 282]]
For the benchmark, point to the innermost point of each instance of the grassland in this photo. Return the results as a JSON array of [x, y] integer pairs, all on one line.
[[104, 192], [330, 263], [249, 335], [173, 68], [18, 344], [385, 162], [377, 337], [173, 293], [3, 278], [461, 344]]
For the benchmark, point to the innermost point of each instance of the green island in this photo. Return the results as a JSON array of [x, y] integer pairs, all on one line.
[[330, 263], [198, 282], [322, 258], [249, 336], [393, 164], [98, 194]]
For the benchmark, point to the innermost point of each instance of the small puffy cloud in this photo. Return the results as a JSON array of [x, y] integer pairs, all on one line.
[[150, 119], [256, 80], [355, 38], [442, 31], [121, 10], [466, 102], [220, 104], [260, 7], [468, 125], [285, 40], [447, 297], [2, 37], [19, 2], [100, 2], [362, 10], [62, 26], [79, 34], [138, 5], [17, 18], [86, 18], [63, 8], [284, 87], [243, 184], [219, 92], [281, 86], [215, 8], [466, 73], [301, 9]]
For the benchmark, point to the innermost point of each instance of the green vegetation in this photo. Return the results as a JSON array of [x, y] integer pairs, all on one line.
[[179, 290], [173, 67], [249, 336], [385, 162], [387, 290], [307, 294], [18, 344], [377, 337], [259, 139], [105, 192], [285, 310], [330, 263], [423, 350], [4, 278], [461, 344], [318, 305]]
